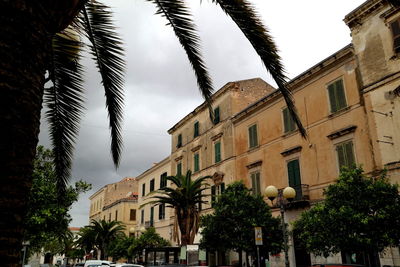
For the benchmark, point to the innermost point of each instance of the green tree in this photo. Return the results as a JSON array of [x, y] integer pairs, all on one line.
[[104, 233], [86, 239], [118, 248], [184, 196], [39, 44], [231, 226], [360, 215], [149, 239], [48, 215]]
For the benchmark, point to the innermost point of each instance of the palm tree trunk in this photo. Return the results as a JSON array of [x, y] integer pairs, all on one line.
[[24, 45]]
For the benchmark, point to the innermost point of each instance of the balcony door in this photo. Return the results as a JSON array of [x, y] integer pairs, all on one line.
[[293, 168]]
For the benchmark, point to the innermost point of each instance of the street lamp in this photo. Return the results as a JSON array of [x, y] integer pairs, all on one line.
[[288, 193]]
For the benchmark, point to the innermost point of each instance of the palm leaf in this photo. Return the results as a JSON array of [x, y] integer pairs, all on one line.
[[244, 15], [106, 48], [179, 18], [64, 100]]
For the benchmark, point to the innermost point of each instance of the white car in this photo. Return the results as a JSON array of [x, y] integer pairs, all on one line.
[[128, 265], [97, 263]]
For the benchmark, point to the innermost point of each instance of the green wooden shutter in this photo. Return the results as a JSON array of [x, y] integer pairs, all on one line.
[[216, 115], [179, 169], [332, 98], [222, 187], [196, 162], [258, 190], [341, 98], [348, 151], [286, 120], [217, 148], [253, 142], [213, 197], [151, 216], [341, 155], [255, 183], [196, 129]]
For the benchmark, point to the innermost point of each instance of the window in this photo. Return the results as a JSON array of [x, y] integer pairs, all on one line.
[[345, 154], [143, 190], [179, 144], [337, 97], [163, 180], [151, 216], [217, 151], [288, 123], [293, 169], [217, 118], [161, 212], [196, 162], [395, 27], [253, 140], [132, 215], [216, 190], [109, 217], [142, 217], [179, 168], [255, 183], [116, 215], [152, 185], [196, 131]]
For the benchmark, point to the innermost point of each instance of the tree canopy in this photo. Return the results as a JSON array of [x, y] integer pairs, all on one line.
[[359, 214], [231, 226], [48, 215]]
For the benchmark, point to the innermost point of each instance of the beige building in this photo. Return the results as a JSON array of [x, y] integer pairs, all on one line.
[[157, 216], [207, 147], [117, 201]]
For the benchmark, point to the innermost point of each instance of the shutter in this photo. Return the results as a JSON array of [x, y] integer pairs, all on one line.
[[341, 98], [212, 195], [332, 98], [222, 187], [258, 190], [349, 154], [250, 137], [143, 190], [151, 216], [291, 174], [196, 129], [341, 155], [217, 149], [255, 141], [196, 162], [286, 120], [395, 26], [179, 169]]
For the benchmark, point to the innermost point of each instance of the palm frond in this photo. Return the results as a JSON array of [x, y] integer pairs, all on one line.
[[179, 18], [106, 48], [244, 15], [64, 100]]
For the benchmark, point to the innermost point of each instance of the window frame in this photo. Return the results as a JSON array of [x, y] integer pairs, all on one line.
[[132, 215], [161, 211], [331, 111], [143, 189], [163, 180], [253, 143], [142, 216], [152, 185]]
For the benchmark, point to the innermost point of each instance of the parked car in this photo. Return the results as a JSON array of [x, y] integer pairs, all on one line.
[[128, 265], [97, 263]]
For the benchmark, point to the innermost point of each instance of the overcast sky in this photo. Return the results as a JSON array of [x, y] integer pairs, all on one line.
[[161, 87]]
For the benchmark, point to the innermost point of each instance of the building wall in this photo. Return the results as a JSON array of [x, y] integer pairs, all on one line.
[[163, 226], [317, 154], [380, 77]]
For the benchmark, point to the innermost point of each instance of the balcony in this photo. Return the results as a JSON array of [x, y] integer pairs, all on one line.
[[302, 198]]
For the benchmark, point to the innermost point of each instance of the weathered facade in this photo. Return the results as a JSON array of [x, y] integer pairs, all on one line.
[[117, 201]]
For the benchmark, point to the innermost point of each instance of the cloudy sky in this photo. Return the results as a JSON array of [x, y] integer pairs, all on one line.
[[161, 87]]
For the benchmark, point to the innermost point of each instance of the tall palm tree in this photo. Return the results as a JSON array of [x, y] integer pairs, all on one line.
[[104, 233], [38, 45], [184, 197], [86, 239]]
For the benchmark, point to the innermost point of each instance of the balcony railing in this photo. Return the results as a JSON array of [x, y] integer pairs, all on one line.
[[302, 194]]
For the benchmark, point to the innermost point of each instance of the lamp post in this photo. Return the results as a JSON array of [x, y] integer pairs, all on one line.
[[288, 193]]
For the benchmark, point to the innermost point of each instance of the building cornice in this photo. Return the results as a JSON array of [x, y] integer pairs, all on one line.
[[335, 59], [358, 15]]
